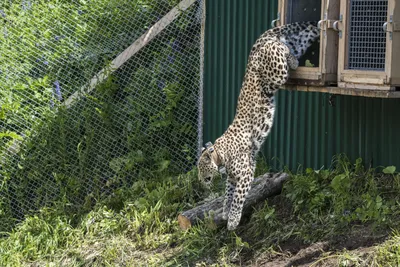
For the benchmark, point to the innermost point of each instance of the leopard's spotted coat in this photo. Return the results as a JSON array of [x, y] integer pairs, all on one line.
[[272, 55]]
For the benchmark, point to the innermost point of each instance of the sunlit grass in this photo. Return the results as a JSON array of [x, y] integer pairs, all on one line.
[[139, 227]]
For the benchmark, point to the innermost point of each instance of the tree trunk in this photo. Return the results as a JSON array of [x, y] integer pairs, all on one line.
[[264, 186]]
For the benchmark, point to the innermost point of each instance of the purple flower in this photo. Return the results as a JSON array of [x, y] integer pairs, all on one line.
[[58, 90], [57, 38], [80, 12], [2, 13], [171, 59], [46, 63]]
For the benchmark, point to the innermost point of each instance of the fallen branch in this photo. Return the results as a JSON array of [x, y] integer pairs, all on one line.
[[264, 186]]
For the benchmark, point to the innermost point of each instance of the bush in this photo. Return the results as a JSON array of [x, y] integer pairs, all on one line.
[[140, 122]]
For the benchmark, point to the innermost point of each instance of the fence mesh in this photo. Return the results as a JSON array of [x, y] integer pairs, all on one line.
[[142, 118]]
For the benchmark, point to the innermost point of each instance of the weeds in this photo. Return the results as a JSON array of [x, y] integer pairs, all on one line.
[[137, 226], [139, 122], [347, 194], [145, 223]]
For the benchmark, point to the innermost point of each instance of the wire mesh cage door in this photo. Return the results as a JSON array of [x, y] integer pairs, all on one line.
[[319, 65], [367, 42], [366, 38]]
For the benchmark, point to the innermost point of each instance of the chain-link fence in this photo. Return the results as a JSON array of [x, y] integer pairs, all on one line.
[[94, 95]]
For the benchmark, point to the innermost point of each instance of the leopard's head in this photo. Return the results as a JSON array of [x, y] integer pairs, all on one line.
[[208, 165]]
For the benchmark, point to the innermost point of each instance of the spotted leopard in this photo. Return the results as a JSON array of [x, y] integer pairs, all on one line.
[[271, 56]]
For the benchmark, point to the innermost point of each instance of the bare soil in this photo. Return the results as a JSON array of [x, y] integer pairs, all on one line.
[[361, 240]]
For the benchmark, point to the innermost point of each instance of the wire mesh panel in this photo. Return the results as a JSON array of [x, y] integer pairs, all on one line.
[[129, 119], [367, 39]]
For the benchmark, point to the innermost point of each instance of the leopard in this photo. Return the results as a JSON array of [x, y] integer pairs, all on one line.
[[234, 153]]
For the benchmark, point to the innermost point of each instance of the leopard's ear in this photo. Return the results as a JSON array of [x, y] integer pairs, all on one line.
[[202, 149]]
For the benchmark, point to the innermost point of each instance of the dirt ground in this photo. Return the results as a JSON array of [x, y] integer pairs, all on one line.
[[320, 254]]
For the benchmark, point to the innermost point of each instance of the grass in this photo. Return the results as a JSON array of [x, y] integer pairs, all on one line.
[[356, 220], [384, 254]]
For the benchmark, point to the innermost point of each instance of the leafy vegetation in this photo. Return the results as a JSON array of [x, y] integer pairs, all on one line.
[[140, 122], [137, 226], [109, 189]]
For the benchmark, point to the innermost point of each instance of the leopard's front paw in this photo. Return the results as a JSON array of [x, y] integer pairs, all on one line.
[[232, 224]]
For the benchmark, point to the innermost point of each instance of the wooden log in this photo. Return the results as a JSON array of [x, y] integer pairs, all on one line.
[[264, 186]]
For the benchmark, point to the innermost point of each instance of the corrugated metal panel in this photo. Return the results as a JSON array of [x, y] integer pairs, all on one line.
[[231, 29], [307, 130]]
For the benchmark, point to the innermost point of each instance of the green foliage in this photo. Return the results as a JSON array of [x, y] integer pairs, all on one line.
[[138, 123], [145, 222], [389, 170], [348, 193], [138, 223], [388, 254], [39, 235]]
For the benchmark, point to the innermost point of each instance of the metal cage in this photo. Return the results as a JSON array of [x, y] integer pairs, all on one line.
[[318, 66], [304, 10], [368, 46], [367, 38], [358, 48]]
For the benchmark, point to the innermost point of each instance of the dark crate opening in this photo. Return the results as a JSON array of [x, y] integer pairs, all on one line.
[[305, 10], [367, 38]]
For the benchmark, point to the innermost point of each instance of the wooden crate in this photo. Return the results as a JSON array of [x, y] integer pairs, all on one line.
[[373, 44], [359, 48], [326, 12]]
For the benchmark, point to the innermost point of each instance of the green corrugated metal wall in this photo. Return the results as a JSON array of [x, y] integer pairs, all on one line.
[[307, 130]]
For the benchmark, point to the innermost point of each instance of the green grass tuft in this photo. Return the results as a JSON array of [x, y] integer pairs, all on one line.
[[137, 225]]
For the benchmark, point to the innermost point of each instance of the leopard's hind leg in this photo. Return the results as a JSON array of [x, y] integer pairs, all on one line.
[[229, 191]]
